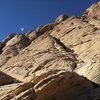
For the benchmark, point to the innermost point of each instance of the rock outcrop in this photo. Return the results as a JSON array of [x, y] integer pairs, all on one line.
[[57, 84], [31, 35], [5, 89], [45, 28], [92, 12], [61, 18], [83, 39], [58, 61], [3, 43], [42, 55], [12, 47]]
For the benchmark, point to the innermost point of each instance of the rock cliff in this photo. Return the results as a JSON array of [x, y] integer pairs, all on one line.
[[58, 61]]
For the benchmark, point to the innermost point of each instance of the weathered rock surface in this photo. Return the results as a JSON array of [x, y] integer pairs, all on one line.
[[39, 28], [83, 39], [8, 88], [45, 28], [20, 41], [8, 38], [42, 55], [13, 47], [50, 61], [92, 12], [3, 43], [57, 84], [61, 18], [31, 35]]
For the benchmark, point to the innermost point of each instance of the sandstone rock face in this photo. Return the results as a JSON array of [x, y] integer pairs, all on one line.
[[46, 28], [12, 47], [31, 35], [8, 38], [42, 55], [93, 12], [53, 85], [61, 18], [83, 39], [58, 61], [20, 41], [39, 28], [3, 43], [8, 88]]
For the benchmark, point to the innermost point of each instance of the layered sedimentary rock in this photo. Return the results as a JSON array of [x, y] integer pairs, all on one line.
[[5, 89], [83, 38], [58, 61], [61, 18], [12, 47], [92, 12], [53, 85], [31, 35], [42, 55]]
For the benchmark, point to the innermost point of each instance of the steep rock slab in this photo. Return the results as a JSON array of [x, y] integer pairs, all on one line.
[[3, 43], [31, 35], [62, 85], [83, 39], [74, 32], [7, 54], [61, 18], [39, 28], [42, 55], [8, 38], [4, 90], [92, 12], [91, 70], [46, 54], [95, 22], [53, 85], [19, 40], [45, 28], [22, 92], [13, 47]]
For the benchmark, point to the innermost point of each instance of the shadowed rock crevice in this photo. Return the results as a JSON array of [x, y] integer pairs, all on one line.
[[95, 85], [6, 79], [62, 44]]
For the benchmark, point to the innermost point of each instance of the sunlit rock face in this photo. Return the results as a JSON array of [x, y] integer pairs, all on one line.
[[58, 61], [93, 12]]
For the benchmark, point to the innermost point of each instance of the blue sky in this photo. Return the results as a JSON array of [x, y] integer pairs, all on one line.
[[32, 13]]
